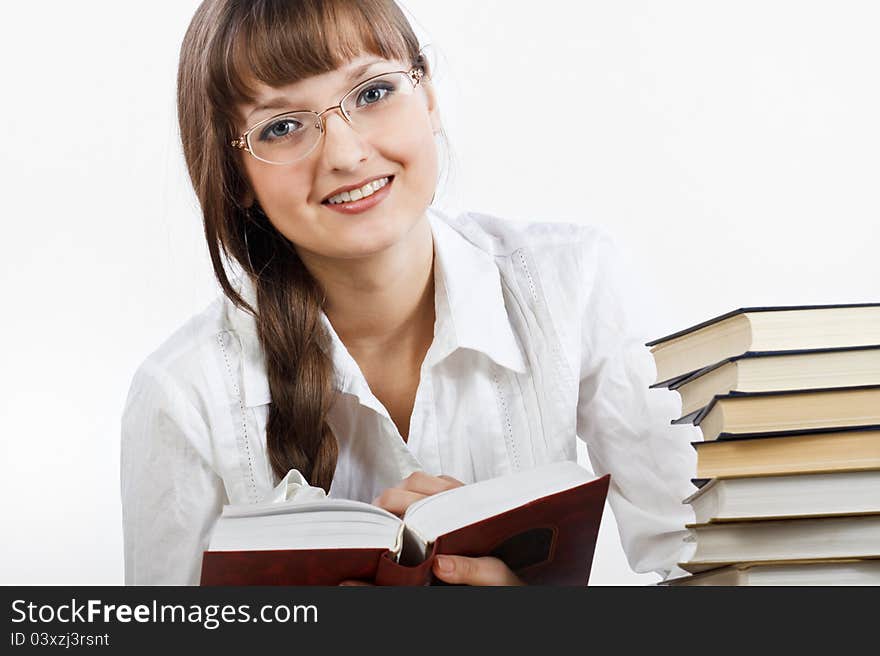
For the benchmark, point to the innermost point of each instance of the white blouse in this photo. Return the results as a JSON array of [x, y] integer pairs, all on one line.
[[533, 348]]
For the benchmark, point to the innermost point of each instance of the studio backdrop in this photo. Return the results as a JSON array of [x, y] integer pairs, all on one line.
[[731, 149]]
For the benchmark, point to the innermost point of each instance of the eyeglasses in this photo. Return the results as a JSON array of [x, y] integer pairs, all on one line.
[[376, 103]]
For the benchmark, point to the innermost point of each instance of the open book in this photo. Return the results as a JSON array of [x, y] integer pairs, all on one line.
[[542, 522]]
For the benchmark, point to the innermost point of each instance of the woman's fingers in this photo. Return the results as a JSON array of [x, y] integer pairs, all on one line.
[[474, 571], [426, 484], [396, 500], [414, 487]]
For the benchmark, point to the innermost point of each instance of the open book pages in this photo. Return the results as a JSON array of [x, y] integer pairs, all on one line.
[[340, 523], [326, 524], [441, 513]]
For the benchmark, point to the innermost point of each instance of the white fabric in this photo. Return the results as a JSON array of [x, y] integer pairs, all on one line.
[[533, 348], [294, 487]]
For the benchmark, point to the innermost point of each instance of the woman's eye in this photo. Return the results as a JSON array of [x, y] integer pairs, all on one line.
[[373, 94], [280, 129]]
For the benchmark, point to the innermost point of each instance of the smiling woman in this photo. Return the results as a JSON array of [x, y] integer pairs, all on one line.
[[379, 348], [242, 60]]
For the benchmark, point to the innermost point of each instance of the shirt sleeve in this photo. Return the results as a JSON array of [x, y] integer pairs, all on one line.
[[625, 425], [171, 496]]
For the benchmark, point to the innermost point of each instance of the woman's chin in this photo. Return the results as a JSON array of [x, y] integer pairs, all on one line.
[[362, 249], [364, 238]]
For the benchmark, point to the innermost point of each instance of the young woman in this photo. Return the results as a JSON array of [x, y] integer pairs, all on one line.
[[379, 348]]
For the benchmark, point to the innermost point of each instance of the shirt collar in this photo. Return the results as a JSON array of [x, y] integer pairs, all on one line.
[[469, 302], [469, 308]]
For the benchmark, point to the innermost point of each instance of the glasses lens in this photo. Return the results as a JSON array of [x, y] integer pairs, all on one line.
[[286, 138], [379, 102]]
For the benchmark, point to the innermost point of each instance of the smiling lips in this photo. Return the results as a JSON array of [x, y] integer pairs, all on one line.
[[360, 199]]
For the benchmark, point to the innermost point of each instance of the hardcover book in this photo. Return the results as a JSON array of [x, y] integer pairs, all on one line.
[[820, 572], [716, 545], [793, 328], [543, 523], [805, 452], [780, 497], [769, 412], [778, 371]]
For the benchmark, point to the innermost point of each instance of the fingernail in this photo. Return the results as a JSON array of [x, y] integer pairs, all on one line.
[[445, 565]]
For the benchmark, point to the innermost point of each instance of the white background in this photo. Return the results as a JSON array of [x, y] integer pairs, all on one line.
[[732, 148]]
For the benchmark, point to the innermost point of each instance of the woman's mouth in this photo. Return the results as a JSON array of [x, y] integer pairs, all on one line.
[[360, 200]]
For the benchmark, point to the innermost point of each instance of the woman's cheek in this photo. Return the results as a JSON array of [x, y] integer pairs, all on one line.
[[281, 193], [418, 153]]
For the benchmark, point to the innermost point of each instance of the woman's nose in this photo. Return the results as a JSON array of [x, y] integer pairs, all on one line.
[[344, 147]]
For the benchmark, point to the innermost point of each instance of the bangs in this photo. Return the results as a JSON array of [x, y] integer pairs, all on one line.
[[278, 42]]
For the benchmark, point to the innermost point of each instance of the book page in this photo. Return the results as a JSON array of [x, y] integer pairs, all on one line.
[[300, 507], [336, 529], [444, 512]]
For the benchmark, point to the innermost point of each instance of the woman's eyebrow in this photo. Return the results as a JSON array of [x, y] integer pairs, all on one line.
[[281, 102], [359, 71]]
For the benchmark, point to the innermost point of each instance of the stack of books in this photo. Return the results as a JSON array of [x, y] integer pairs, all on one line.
[[788, 401]]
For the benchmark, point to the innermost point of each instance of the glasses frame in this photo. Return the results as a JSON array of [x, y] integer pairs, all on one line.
[[416, 74]]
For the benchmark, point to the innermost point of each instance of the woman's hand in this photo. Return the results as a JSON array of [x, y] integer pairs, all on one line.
[[462, 570], [459, 570]]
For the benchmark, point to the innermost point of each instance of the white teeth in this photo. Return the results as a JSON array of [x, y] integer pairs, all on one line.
[[357, 194]]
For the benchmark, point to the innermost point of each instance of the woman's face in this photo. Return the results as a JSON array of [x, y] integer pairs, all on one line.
[[295, 196]]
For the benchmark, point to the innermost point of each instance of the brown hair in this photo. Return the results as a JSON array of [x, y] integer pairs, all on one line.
[[230, 44]]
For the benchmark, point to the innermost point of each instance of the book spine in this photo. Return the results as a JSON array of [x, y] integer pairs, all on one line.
[[390, 572]]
